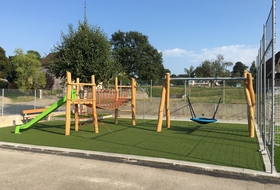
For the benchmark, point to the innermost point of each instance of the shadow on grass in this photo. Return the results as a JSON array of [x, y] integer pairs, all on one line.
[[191, 129], [188, 155], [214, 128], [187, 130], [48, 128], [184, 141], [215, 133]]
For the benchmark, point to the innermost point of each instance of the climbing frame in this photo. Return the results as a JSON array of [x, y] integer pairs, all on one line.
[[97, 99]]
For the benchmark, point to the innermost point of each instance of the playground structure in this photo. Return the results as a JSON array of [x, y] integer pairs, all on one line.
[[249, 95], [97, 99], [93, 99]]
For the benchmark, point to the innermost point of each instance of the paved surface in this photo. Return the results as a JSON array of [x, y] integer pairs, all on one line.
[[35, 167]]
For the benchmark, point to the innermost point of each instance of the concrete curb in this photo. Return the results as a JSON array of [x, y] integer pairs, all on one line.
[[264, 152], [205, 169]]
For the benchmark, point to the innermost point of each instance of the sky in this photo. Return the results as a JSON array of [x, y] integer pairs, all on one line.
[[187, 32]]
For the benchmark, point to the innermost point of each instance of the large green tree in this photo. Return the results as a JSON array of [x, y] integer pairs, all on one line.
[[83, 52], [4, 64], [28, 70], [136, 56], [238, 69], [213, 68]]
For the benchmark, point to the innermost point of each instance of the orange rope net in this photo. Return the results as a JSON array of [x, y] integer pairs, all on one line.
[[106, 99]]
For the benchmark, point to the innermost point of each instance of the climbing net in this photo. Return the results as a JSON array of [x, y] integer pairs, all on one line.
[[86, 116]]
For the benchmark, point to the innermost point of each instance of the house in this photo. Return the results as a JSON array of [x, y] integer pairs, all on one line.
[[45, 62], [199, 83], [205, 83]]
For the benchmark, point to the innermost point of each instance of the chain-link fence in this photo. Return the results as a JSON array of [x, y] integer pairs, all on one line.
[[13, 101], [268, 89], [230, 91]]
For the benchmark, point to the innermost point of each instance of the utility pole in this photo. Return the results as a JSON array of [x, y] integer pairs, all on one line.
[[85, 11]]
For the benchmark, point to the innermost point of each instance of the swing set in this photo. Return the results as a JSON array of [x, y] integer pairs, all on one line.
[[202, 120], [165, 103]]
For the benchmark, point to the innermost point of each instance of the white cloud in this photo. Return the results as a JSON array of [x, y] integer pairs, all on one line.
[[176, 52], [232, 53]]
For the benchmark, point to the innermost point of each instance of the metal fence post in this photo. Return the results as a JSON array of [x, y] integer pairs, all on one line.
[[151, 91], [34, 99], [185, 85], [2, 110], [224, 89], [273, 82]]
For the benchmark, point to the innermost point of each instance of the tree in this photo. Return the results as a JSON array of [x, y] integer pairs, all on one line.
[[238, 69], [216, 68], [189, 72], [253, 69], [36, 53], [4, 64], [167, 71], [83, 52], [136, 56], [28, 70], [178, 82], [12, 75], [203, 70]]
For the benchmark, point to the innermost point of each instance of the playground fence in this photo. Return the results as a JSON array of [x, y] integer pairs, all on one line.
[[13, 101], [268, 88]]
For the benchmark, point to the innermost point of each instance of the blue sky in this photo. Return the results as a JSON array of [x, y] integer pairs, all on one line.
[[187, 32]]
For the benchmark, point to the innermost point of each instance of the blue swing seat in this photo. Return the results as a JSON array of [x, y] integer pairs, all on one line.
[[203, 120]]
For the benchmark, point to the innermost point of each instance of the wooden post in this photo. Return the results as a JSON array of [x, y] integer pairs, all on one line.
[[93, 88], [77, 105], [167, 100], [116, 99], [133, 101], [161, 106], [247, 95], [251, 90], [68, 104], [250, 110]]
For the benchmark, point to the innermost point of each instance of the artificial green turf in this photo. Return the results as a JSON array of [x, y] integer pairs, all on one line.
[[217, 143], [277, 158]]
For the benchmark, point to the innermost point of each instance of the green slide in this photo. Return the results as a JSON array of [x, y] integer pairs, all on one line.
[[42, 115]]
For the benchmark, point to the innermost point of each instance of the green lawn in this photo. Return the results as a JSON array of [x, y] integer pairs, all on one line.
[[232, 95], [219, 144]]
